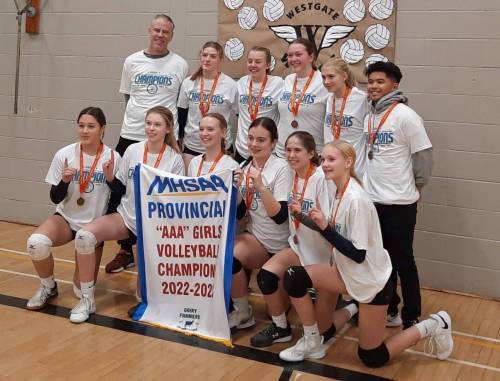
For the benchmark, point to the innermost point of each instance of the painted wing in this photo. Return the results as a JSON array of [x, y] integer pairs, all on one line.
[[286, 32], [335, 33]]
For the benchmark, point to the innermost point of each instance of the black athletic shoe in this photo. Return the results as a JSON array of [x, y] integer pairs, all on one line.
[[409, 323], [270, 335]]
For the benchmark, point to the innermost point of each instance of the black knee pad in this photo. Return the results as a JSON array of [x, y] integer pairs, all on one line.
[[267, 281], [236, 265], [374, 358], [297, 281]]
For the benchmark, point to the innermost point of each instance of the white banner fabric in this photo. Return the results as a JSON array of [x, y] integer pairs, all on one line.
[[185, 237]]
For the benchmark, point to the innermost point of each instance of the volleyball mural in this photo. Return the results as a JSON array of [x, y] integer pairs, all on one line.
[[358, 31]]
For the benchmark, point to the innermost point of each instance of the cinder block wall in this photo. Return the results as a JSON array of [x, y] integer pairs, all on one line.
[[449, 51]]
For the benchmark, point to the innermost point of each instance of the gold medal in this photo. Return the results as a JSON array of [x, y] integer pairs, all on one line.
[[80, 201], [294, 123], [370, 154], [295, 239]]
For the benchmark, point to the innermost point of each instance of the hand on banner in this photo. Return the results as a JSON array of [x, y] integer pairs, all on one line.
[[317, 215], [237, 180], [68, 172], [108, 168]]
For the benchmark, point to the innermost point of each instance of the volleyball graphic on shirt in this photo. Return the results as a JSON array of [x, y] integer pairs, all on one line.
[[354, 10], [273, 10], [375, 58], [377, 36], [380, 9], [247, 18], [234, 49], [352, 51], [233, 4]]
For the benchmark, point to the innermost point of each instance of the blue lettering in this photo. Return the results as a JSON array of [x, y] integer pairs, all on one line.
[[214, 183]]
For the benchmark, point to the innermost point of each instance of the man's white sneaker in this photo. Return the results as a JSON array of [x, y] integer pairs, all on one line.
[[442, 335], [82, 310], [241, 319], [393, 320], [41, 297], [306, 348]]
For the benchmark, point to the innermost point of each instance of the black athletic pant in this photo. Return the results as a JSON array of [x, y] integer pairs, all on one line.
[[397, 223], [123, 143]]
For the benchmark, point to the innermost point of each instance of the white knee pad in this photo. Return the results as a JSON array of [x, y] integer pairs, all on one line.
[[85, 242], [38, 246]]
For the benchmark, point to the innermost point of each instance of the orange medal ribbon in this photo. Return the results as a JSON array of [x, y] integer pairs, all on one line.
[[204, 109], [158, 158], [214, 164], [336, 130], [294, 191], [294, 105], [85, 182], [253, 111], [249, 193]]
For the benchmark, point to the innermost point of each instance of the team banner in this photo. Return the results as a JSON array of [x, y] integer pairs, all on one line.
[[185, 233], [358, 31]]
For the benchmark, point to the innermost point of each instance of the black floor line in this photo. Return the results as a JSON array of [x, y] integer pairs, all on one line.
[[285, 375], [248, 353]]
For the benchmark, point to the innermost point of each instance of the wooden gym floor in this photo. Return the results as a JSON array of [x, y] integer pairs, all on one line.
[[46, 346]]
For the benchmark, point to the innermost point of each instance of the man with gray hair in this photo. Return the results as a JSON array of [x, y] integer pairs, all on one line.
[[150, 77]]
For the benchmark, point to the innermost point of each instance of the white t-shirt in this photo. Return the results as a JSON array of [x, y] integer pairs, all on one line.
[[226, 162], [312, 248], [224, 102], [150, 82], [170, 162], [275, 176], [96, 195], [268, 107], [357, 221], [351, 126], [389, 177], [311, 115]]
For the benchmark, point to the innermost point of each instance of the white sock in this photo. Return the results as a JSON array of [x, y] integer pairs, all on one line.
[[87, 289], [352, 308], [280, 320], [48, 282], [311, 331], [427, 327], [241, 304]]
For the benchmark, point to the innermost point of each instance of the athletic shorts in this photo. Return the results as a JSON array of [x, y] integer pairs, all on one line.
[[73, 233], [237, 156], [384, 296], [190, 151], [194, 153]]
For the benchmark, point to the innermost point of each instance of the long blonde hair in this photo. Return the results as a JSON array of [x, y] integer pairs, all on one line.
[[347, 151], [168, 117], [341, 66]]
